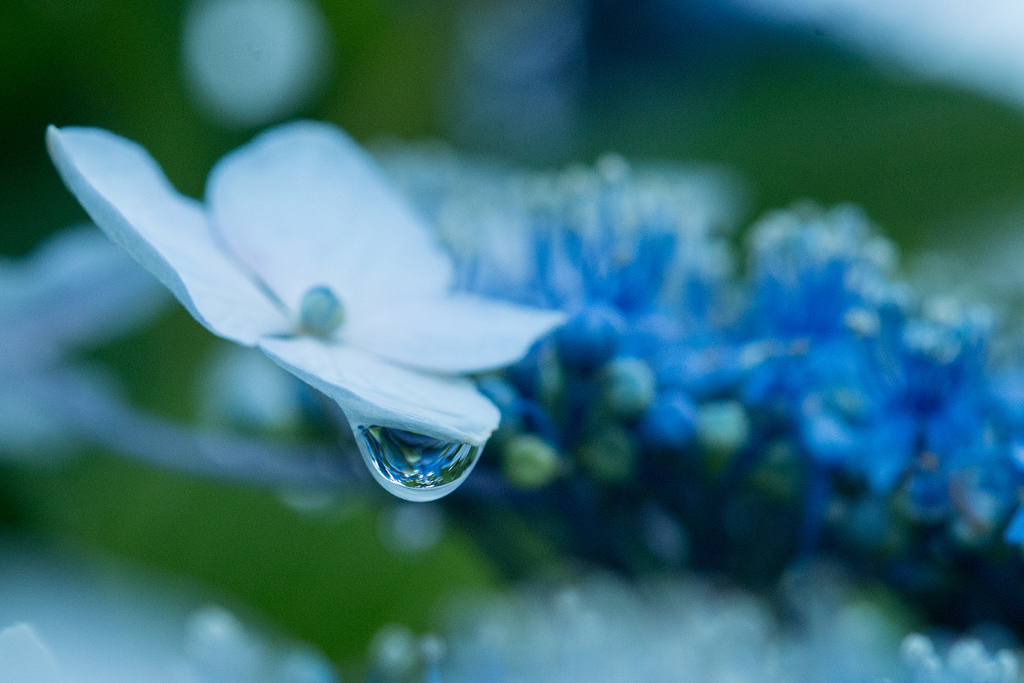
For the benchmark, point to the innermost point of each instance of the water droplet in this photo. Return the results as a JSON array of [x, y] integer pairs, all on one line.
[[413, 466]]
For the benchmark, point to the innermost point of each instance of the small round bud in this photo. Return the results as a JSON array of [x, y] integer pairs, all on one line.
[[530, 462], [320, 312], [722, 430], [627, 387]]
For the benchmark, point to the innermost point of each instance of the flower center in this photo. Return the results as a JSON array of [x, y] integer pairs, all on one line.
[[320, 312]]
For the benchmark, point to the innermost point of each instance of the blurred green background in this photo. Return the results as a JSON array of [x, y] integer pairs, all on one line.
[[792, 114]]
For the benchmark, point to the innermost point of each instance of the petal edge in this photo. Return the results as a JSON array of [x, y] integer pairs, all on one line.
[[372, 391], [126, 193]]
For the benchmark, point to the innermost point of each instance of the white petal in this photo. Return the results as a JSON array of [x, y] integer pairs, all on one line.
[[303, 205], [125, 192], [374, 392], [78, 288], [24, 659], [454, 334]]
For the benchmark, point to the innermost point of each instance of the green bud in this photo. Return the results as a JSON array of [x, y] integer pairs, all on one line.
[[530, 462], [628, 387], [609, 454], [722, 430]]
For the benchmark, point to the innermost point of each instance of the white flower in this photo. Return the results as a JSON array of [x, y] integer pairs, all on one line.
[[79, 289], [299, 231]]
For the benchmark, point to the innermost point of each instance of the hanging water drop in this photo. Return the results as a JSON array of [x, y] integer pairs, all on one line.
[[413, 466]]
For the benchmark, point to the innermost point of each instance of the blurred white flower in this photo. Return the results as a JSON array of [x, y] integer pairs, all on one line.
[[79, 290], [304, 250], [974, 43], [23, 659], [818, 628], [67, 621], [75, 291], [409, 528], [250, 62], [243, 389]]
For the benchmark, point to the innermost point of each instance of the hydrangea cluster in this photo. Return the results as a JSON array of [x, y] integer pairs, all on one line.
[[691, 411], [589, 342]]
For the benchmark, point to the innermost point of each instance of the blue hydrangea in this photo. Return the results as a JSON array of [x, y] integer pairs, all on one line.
[[814, 396]]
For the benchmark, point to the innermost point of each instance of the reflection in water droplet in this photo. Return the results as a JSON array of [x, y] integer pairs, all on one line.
[[413, 466]]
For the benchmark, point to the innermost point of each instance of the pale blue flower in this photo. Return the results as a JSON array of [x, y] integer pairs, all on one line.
[[304, 250], [24, 659], [75, 291], [63, 620], [820, 627]]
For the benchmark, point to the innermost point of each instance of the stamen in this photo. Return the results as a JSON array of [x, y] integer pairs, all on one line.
[[320, 312]]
